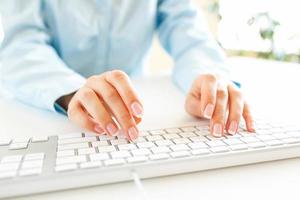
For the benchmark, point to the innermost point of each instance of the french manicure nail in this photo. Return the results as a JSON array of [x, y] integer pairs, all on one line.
[[137, 109], [133, 133], [208, 111], [98, 129], [217, 130], [232, 128], [112, 129]]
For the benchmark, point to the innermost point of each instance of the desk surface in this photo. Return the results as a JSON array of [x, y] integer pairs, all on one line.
[[270, 87]]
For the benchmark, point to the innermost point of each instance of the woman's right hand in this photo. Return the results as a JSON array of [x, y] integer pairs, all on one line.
[[105, 100]]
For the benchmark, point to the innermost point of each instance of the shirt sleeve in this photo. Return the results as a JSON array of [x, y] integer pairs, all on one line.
[[30, 67], [184, 35]]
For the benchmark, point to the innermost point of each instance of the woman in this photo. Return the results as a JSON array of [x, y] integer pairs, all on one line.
[[75, 56]]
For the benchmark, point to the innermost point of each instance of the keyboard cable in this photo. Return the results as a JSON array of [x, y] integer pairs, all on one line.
[[138, 183]]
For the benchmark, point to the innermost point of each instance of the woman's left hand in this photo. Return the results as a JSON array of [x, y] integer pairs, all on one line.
[[211, 98]]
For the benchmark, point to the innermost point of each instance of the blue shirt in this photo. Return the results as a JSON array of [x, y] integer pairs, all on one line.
[[52, 46]]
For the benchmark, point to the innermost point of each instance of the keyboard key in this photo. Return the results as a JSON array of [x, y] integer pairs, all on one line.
[[77, 140], [198, 139], [100, 143], [114, 162], [274, 142], [104, 137], [127, 146], [162, 149], [157, 132], [21, 140], [9, 166], [256, 145], [65, 153], [106, 149], [70, 160], [291, 140], [215, 143], [32, 164], [69, 135], [16, 146], [99, 156], [203, 133], [152, 138], [88, 165], [251, 139], [187, 134], [265, 138], [39, 139], [8, 174], [197, 145], [180, 154], [173, 130], [161, 156], [145, 144], [4, 142], [294, 133], [85, 151], [189, 129], [34, 156], [179, 147], [163, 142], [72, 146], [137, 159], [140, 152], [200, 151], [181, 141], [30, 172], [119, 141], [281, 136], [171, 136], [68, 167], [9, 159], [219, 149], [120, 154], [239, 147], [232, 141]]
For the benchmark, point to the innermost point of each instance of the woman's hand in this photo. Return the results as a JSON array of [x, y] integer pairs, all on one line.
[[104, 101], [211, 98]]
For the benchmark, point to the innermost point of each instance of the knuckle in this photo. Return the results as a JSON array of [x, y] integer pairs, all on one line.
[[236, 94], [118, 74], [222, 94], [111, 94], [93, 79], [87, 93], [210, 78]]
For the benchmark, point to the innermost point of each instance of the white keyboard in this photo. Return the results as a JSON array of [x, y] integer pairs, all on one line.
[[35, 165]]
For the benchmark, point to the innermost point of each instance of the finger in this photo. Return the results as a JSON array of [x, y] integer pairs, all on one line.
[[208, 96], [79, 116], [235, 102], [121, 82], [192, 105], [218, 118], [90, 101], [115, 103], [248, 118]]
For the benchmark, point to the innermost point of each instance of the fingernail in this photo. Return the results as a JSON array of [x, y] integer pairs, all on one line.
[[208, 111], [98, 129], [112, 129], [217, 130], [232, 128], [133, 133], [137, 109]]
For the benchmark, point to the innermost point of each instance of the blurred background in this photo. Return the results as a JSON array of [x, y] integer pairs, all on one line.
[[265, 29]]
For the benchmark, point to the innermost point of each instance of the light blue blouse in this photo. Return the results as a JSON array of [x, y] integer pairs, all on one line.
[[52, 46]]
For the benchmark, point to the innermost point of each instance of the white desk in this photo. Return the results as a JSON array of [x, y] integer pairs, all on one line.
[[272, 92]]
